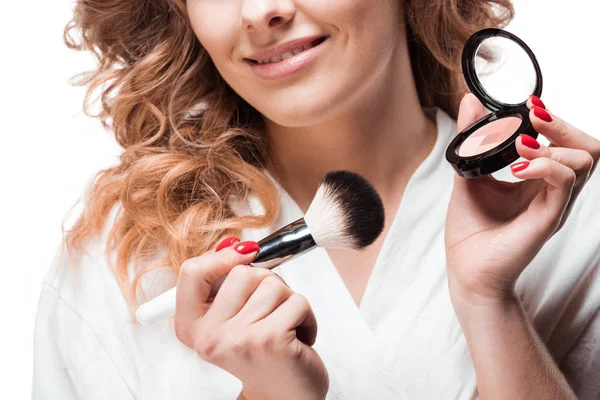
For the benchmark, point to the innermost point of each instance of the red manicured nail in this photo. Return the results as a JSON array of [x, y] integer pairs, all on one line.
[[247, 247], [230, 241], [542, 114], [536, 101], [520, 166], [529, 141]]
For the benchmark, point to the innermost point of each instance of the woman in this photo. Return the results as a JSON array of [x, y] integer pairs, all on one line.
[[219, 152]]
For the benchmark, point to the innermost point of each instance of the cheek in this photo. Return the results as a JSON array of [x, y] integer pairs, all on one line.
[[367, 31], [216, 25], [365, 17], [374, 27]]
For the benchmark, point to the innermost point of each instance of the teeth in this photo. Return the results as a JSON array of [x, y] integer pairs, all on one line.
[[287, 55]]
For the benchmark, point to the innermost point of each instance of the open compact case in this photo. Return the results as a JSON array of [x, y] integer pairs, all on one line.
[[502, 71]]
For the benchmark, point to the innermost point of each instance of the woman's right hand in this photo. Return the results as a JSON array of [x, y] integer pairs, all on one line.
[[256, 327]]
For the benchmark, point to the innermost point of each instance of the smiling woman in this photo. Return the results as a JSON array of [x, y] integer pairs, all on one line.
[[158, 72], [229, 114]]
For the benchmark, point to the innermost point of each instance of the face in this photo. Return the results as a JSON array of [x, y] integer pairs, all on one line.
[[338, 51]]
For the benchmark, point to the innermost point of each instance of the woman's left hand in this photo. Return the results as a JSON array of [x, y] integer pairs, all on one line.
[[494, 229]]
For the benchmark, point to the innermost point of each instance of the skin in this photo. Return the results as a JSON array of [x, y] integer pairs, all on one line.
[[256, 327], [369, 120]]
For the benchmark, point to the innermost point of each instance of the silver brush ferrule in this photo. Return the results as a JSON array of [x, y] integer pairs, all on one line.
[[282, 245]]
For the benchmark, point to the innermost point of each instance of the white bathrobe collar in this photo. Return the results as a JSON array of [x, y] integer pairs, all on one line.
[[349, 339]]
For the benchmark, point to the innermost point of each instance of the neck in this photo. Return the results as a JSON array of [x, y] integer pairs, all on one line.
[[383, 136]]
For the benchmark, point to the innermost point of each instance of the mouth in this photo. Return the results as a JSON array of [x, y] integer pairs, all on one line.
[[289, 54]]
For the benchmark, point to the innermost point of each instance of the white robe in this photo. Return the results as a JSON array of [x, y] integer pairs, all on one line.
[[403, 342]]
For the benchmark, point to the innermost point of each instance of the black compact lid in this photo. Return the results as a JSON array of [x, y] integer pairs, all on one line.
[[470, 57]]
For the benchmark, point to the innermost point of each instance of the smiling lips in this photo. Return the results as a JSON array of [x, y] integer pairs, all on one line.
[[266, 59], [285, 60]]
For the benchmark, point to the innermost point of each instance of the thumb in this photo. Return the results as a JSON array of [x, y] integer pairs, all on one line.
[[469, 111]]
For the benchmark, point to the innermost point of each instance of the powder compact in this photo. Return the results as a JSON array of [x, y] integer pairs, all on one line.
[[502, 71]]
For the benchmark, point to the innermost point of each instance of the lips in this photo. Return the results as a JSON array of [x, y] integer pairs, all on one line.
[[288, 60], [285, 51]]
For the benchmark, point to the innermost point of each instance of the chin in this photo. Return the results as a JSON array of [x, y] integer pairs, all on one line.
[[297, 116], [298, 110]]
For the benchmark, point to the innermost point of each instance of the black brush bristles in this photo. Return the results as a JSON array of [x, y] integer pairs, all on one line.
[[346, 212]]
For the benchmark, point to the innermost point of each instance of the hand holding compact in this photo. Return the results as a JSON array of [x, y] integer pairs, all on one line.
[[256, 328], [494, 229]]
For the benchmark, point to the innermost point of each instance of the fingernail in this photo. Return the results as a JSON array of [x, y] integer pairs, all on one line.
[[246, 247], [520, 166], [230, 241], [542, 114], [529, 141], [536, 101]]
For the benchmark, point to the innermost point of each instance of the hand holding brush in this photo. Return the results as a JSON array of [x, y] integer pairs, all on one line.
[[346, 212], [256, 327]]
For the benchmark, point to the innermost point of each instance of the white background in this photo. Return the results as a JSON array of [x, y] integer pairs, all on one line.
[[50, 150]]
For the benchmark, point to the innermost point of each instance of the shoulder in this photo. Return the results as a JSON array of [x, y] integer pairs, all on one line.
[[86, 328], [86, 339], [84, 276], [560, 289], [578, 242], [86, 282], [572, 256], [79, 307]]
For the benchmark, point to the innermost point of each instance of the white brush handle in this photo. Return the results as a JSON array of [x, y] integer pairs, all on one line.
[[160, 307]]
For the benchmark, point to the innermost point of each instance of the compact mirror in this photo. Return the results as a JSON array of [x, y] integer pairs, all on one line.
[[501, 69]]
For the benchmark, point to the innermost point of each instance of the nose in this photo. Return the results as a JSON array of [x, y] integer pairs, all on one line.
[[263, 15]]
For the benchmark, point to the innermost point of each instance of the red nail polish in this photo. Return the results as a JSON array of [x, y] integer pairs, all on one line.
[[529, 141], [542, 114], [247, 247], [230, 241], [520, 166], [536, 101]]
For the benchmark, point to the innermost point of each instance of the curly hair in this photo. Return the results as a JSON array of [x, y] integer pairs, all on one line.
[[190, 142]]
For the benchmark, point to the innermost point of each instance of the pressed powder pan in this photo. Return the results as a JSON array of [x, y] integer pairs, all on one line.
[[502, 71], [489, 136]]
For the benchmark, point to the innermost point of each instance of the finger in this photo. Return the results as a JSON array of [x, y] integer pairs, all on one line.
[[237, 288], [559, 177], [579, 161], [219, 282], [227, 242], [469, 111], [533, 100], [294, 313], [196, 277], [562, 134], [269, 295]]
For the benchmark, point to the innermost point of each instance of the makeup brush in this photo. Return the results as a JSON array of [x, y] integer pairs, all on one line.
[[346, 213]]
